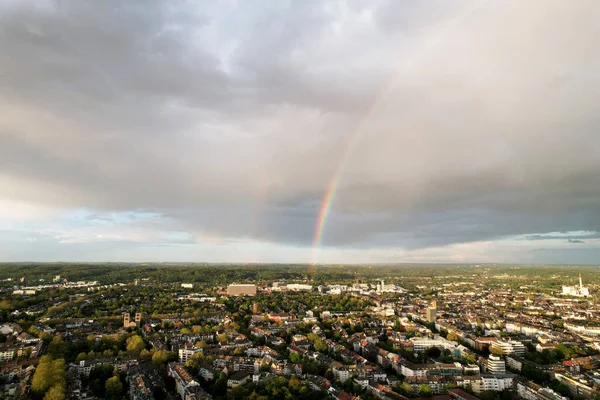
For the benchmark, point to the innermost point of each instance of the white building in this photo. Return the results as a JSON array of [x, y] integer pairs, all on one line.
[[422, 344], [342, 372], [187, 351], [576, 291], [509, 347], [496, 365], [297, 287], [497, 383], [7, 354]]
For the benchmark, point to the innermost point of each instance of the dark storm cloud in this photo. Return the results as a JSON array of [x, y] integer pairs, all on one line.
[[229, 119]]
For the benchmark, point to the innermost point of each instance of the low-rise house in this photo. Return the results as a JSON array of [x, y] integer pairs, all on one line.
[[238, 378]]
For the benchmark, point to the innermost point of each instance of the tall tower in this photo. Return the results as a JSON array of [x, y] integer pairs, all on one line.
[[432, 312], [255, 308], [580, 284], [126, 320], [138, 319]]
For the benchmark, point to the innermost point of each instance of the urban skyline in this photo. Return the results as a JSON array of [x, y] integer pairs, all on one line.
[[308, 132]]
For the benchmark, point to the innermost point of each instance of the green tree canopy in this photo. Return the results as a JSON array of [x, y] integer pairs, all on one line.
[[113, 386], [135, 344]]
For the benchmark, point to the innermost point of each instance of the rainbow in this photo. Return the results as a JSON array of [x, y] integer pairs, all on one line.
[[334, 181]]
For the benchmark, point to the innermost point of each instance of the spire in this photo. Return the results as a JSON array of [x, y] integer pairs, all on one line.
[[580, 283]]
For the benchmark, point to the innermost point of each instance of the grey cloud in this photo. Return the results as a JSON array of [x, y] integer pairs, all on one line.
[[575, 241], [232, 120]]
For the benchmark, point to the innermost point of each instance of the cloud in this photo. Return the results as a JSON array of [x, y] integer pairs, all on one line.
[[228, 120], [575, 241]]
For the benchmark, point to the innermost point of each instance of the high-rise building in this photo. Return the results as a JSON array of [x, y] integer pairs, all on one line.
[[496, 365], [432, 312]]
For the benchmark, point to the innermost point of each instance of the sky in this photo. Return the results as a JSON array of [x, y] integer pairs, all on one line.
[[329, 131]]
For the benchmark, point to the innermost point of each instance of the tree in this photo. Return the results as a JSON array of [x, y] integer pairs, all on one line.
[[425, 391], [160, 357], [81, 356], [452, 336], [192, 367], [469, 357], [489, 395], [222, 338], [320, 346], [295, 358], [135, 344], [312, 337], [433, 352], [145, 354], [57, 348], [49, 373], [403, 388], [496, 351], [294, 384], [113, 386], [56, 392]]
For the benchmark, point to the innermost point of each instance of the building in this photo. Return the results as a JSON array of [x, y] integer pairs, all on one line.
[[576, 291], [496, 365], [576, 386], [186, 351], [127, 323], [421, 344], [187, 285], [508, 347], [497, 383], [237, 379], [299, 287], [343, 372], [530, 391], [514, 363], [7, 353], [185, 385], [460, 394], [241, 290], [432, 312], [138, 388], [421, 370]]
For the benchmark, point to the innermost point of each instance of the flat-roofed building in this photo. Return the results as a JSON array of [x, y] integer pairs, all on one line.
[[496, 365], [241, 290], [509, 347]]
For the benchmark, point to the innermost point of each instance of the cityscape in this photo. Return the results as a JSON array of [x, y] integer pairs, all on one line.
[[194, 332], [299, 200]]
